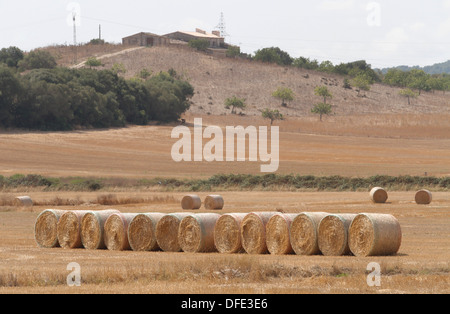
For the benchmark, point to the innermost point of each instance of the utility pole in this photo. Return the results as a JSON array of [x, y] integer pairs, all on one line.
[[75, 37], [99, 32]]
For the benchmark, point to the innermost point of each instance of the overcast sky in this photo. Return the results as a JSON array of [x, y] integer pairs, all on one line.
[[384, 33]]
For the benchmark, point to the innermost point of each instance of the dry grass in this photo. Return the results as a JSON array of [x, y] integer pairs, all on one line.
[[217, 79], [65, 54], [110, 199], [145, 152], [420, 267]]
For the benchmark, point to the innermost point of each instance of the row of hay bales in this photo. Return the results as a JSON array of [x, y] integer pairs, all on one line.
[[254, 233], [380, 196]]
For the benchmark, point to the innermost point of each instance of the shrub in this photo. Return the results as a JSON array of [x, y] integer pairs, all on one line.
[[37, 59]]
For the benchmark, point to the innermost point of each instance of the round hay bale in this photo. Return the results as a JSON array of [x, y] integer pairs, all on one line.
[[23, 201], [142, 232], [227, 233], [253, 232], [93, 228], [69, 229], [167, 231], [423, 197], [375, 235], [116, 231], [46, 228], [196, 233], [214, 202], [190, 202], [378, 195], [333, 234], [304, 233], [277, 234]]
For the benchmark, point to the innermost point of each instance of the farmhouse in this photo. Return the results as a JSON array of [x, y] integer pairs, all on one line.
[[146, 39], [214, 39]]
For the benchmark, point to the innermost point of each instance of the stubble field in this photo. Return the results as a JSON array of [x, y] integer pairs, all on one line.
[[340, 146]]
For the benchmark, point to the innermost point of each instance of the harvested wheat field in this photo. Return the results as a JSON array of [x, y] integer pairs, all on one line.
[[420, 266], [334, 147], [412, 144]]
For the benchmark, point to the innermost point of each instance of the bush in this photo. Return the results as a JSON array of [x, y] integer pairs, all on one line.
[[273, 55], [199, 44], [11, 56], [37, 59]]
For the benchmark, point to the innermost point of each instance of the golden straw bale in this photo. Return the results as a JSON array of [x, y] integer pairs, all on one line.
[[116, 231], [253, 232], [375, 235], [46, 228], [378, 195], [333, 234], [304, 233], [196, 233], [423, 197], [93, 228], [191, 202], [69, 229], [214, 202], [142, 232], [277, 234], [227, 233], [167, 231], [23, 201]]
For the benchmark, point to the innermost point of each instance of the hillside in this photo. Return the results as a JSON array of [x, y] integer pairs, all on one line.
[[216, 79], [437, 68]]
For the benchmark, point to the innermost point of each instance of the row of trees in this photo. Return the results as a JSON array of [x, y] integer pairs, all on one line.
[[65, 99], [417, 80], [360, 73]]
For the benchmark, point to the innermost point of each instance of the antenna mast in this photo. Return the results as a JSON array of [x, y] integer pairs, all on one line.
[[222, 27]]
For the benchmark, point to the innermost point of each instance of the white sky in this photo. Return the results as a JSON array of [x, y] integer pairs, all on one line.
[[384, 33]]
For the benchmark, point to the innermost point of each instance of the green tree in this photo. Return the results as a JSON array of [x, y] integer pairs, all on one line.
[[361, 82], [323, 91], [395, 77], [322, 109], [118, 68], [326, 66], [169, 96], [11, 56], [409, 93], [233, 51], [97, 41], [284, 94], [235, 103], [145, 74], [93, 62], [305, 63], [272, 115], [37, 59], [418, 79], [10, 89], [273, 55], [199, 44]]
